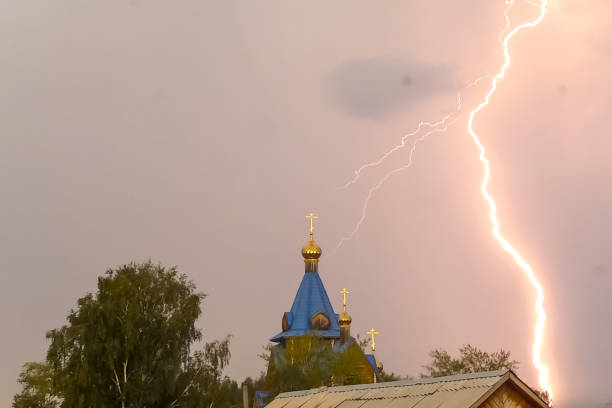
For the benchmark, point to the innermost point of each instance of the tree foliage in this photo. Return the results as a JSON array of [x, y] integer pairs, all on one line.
[[384, 376], [129, 345], [309, 361], [305, 363], [471, 360], [37, 382], [256, 384]]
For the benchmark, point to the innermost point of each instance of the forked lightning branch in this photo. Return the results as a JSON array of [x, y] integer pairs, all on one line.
[[442, 125]]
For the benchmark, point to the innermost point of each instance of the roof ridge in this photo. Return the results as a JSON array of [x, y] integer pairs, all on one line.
[[400, 383]]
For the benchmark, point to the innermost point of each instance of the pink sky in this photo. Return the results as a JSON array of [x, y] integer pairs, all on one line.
[[199, 134]]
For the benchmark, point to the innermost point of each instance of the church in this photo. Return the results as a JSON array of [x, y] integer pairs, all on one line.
[[312, 314]]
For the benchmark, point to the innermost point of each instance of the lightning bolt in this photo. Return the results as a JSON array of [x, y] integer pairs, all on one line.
[[445, 123], [504, 38], [539, 304], [401, 145], [433, 129], [364, 208]]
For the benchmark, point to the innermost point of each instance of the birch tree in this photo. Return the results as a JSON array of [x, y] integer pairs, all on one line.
[[130, 344]]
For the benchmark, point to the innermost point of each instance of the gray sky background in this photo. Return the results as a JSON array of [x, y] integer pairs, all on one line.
[[199, 134]]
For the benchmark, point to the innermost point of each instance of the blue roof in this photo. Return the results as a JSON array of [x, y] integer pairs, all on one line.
[[372, 360], [260, 398], [310, 299]]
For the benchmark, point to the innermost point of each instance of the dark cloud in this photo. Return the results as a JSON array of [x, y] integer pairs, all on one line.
[[376, 86], [194, 134]]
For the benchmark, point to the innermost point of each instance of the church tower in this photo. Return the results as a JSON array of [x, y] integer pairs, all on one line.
[[311, 251], [344, 320], [312, 314]]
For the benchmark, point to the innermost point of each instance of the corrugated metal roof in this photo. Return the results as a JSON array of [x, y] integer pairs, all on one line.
[[476, 382], [319, 399], [403, 391], [405, 402], [452, 399], [377, 403], [333, 399], [351, 404], [297, 402], [278, 403], [458, 391]]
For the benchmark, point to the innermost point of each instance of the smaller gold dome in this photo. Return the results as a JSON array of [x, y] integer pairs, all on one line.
[[344, 319], [311, 250], [379, 365]]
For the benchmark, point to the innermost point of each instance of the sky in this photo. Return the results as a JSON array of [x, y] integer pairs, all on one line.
[[200, 133]]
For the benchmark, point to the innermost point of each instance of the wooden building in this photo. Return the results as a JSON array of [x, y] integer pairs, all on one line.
[[495, 389]]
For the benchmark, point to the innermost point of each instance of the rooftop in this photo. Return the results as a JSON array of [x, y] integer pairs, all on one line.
[[457, 391]]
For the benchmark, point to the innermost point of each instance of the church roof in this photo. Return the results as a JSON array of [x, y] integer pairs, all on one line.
[[457, 391], [310, 299], [372, 360]]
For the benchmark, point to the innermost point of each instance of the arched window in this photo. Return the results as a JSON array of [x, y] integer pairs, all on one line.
[[319, 321]]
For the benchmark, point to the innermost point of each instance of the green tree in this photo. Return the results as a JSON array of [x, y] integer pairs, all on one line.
[[36, 380], [255, 384], [130, 345], [346, 366], [305, 363], [384, 376], [309, 362], [471, 360]]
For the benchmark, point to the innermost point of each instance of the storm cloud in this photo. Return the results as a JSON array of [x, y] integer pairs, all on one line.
[[199, 134], [374, 87]]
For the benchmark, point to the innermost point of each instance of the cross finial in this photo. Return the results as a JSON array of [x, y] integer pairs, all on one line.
[[373, 333], [344, 293], [312, 217]]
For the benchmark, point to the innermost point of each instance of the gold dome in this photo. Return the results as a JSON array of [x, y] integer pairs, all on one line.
[[311, 251], [344, 319]]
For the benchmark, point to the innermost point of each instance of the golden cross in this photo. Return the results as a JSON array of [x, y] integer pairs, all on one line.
[[312, 217], [344, 293], [373, 333]]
